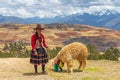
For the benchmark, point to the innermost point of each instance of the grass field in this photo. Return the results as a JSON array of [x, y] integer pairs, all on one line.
[[21, 69]]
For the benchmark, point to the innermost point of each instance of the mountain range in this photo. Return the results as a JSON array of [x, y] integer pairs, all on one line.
[[111, 20]]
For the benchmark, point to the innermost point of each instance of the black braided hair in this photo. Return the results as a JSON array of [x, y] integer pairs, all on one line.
[[38, 37]]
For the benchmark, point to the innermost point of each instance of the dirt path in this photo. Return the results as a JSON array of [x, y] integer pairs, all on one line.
[[21, 69]]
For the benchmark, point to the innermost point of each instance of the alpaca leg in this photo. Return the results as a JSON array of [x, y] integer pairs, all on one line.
[[69, 66], [84, 64], [80, 64], [71, 70]]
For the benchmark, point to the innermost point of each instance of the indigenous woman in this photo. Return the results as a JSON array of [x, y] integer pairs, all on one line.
[[39, 55]]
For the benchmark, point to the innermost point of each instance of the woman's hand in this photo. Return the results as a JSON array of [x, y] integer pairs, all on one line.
[[47, 48], [35, 52]]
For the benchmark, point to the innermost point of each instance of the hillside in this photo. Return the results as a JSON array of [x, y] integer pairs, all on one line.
[[21, 69], [62, 34]]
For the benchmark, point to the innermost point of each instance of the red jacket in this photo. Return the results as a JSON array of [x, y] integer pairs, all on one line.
[[33, 41]]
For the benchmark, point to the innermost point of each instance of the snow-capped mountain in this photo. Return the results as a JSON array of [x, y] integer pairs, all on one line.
[[108, 19]]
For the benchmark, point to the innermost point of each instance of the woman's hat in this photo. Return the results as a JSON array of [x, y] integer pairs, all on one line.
[[40, 26]]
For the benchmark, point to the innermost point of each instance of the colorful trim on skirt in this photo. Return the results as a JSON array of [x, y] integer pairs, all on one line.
[[38, 59]]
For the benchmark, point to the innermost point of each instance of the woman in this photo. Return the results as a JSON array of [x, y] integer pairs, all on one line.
[[39, 53]]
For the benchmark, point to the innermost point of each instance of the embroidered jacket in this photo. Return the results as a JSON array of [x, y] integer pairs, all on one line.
[[41, 41]]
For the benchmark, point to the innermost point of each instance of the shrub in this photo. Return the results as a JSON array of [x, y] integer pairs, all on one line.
[[54, 52], [93, 53], [111, 54], [15, 49], [5, 55]]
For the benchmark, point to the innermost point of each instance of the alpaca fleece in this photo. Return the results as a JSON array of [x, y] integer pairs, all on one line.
[[73, 51]]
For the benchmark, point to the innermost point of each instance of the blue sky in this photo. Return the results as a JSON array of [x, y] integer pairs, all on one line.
[[52, 8]]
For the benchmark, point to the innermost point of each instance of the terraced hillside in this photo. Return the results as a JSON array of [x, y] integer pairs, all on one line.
[[62, 34]]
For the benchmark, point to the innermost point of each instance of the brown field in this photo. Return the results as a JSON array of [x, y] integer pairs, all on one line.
[[66, 33]]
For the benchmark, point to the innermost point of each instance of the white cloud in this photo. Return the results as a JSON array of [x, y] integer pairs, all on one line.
[[22, 2], [102, 2], [24, 13], [6, 11], [52, 8]]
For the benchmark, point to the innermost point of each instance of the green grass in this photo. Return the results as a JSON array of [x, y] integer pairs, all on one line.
[[93, 78], [90, 78], [93, 69]]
